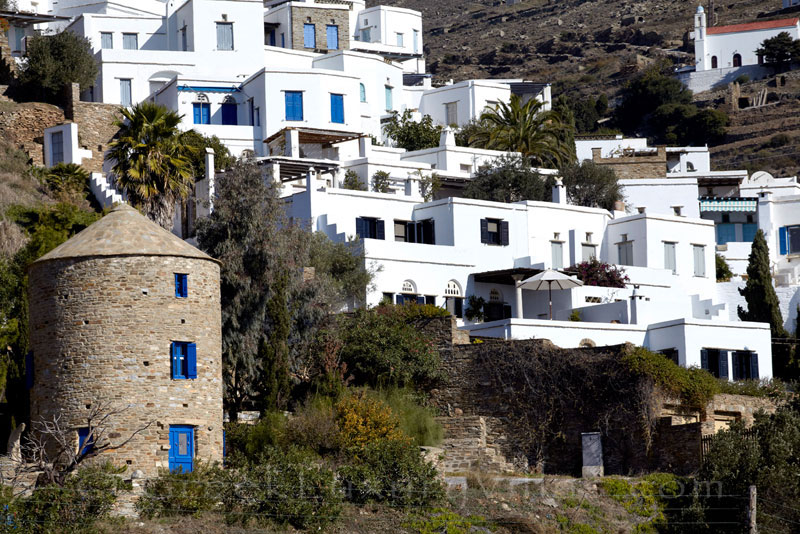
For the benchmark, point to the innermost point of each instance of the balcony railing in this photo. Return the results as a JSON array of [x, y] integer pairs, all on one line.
[[728, 204]]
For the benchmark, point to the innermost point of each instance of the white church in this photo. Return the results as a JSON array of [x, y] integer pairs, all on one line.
[[303, 88]]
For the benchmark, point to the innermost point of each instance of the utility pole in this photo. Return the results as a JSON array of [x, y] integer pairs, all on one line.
[[751, 512]]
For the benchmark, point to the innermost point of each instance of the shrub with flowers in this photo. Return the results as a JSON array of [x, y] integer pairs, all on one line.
[[598, 273], [364, 419]]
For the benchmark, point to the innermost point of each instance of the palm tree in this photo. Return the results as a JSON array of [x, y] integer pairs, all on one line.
[[539, 135], [150, 160]]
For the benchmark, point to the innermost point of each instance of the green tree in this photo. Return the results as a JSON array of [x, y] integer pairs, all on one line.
[[197, 155], [646, 93], [684, 124], [381, 182], [274, 349], [539, 135], [53, 61], [150, 160], [779, 51], [344, 263], [762, 302], [352, 181], [591, 185], [724, 273], [509, 178], [410, 134]]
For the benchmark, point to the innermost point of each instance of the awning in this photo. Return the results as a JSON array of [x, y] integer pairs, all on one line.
[[505, 276], [296, 168], [317, 136], [20, 18], [746, 204]]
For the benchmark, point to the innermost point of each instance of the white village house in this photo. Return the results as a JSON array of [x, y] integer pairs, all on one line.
[[302, 85]]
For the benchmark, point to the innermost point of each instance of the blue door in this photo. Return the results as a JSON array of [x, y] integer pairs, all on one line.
[[181, 448]]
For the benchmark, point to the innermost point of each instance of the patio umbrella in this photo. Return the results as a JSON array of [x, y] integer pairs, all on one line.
[[549, 279]]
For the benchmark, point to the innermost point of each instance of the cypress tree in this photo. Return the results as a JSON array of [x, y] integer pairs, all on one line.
[[274, 351], [762, 302]]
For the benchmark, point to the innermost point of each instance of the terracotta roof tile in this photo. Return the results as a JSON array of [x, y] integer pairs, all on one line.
[[751, 26]]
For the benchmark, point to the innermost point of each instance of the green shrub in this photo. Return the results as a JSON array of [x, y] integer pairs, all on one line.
[[393, 472], [314, 426], [363, 419], [442, 520], [742, 78], [723, 269], [411, 312], [285, 486], [416, 421], [381, 183], [779, 140], [86, 497], [352, 181], [178, 494]]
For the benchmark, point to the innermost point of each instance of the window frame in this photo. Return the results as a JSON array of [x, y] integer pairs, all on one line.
[[220, 25], [181, 285], [103, 36], [126, 41], [503, 232], [370, 228], [204, 115]]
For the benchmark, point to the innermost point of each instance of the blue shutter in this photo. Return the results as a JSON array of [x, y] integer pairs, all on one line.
[[177, 285], [723, 364], [420, 299], [173, 348], [337, 109], [294, 106], [363, 92], [704, 359], [411, 232], [333, 37], [360, 228], [29, 370], [197, 114], [484, 231], [229, 114], [206, 113], [309, 39], [191, 360], [380, 230], [783, 232], [504, 233], [185, 285], [389, 105]]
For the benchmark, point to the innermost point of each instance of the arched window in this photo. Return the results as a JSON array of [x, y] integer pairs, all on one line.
[[713, 62], [452, 289], [495, 296], [363, 92], [409, 287], [737, 60], [202, 109]]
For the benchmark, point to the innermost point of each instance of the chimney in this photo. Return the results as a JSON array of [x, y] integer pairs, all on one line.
[[447, 137], [364, 146], [559, 192], [210, 176]]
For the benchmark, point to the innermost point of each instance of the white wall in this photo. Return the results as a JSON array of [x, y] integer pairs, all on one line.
[[472, 97], [608, 147], [662, 195], [73, 153]]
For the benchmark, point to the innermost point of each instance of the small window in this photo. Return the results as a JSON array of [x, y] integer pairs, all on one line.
[[363, 92], [789, 240], [494, 232], [715, 362], [85, 441], [337, 109], [365, 35], [713, 62], [557, 253], [670, 262], [399, 39], [294, 106], [56, 148], [451, 113], [125, 97], [224, 36], [745, 365], [181, 285], [699, 260], [332, 34], [588, 252], [389, 104], [184, 360], [466, 167], [201, 112], [130, 41], [370, 228], [106, 40], [625, 253], [737, 60], [309, 36]]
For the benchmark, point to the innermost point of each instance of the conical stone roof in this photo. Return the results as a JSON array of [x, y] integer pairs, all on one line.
[[124, 232]]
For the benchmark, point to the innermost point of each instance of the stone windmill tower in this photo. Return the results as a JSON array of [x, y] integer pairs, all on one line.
[[127, 314]]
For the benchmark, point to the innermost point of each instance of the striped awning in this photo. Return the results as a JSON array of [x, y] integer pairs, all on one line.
[[728, 204]]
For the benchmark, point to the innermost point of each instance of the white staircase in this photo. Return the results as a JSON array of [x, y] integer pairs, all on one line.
[[105, 193], [706, 309]]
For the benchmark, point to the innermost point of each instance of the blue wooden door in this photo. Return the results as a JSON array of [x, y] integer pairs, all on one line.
[[181, 448]]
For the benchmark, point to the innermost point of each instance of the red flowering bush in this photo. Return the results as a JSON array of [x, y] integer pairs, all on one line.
[[598, 273]]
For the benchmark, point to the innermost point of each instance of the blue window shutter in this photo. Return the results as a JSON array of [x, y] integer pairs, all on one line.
[[173, 348], [309, 37], [398, 299], [723, 364], [360, 227], [783, 232], [29, 376], [229, 114], [380, 230], [184, 285], [363, 92], [289, 108], [206, 113], [411, 232], [704, 359], [337, 109], [484, 231], [197, 116], [754, 366], [298, 105], [177, 285], [191, 361], [420, 299], [504, 233], [333, 37]]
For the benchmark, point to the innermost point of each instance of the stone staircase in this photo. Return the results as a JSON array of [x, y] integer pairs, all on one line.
[[105, 193], [470, 443]]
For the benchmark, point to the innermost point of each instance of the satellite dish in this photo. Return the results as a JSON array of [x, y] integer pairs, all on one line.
[[761, 177]]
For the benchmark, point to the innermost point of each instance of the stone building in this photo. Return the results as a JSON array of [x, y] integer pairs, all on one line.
[[127, 314]]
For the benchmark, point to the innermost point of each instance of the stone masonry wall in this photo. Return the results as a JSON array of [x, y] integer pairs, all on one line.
[[23, 125], [627, 167], [101, 329], [95, 126], [320, 18]]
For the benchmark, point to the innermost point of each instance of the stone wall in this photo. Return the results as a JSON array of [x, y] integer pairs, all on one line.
[[320, 18], [23, 125], [635, 165], [96, 127], [101, 329], [8, 66]]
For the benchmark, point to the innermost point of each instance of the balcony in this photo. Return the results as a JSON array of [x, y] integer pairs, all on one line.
[[729, 204]]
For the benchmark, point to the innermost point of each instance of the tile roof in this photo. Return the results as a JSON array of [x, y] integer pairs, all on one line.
[[124, 232], [751, 26]]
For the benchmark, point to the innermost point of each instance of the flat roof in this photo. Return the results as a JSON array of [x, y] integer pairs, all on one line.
[[28, 18]]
